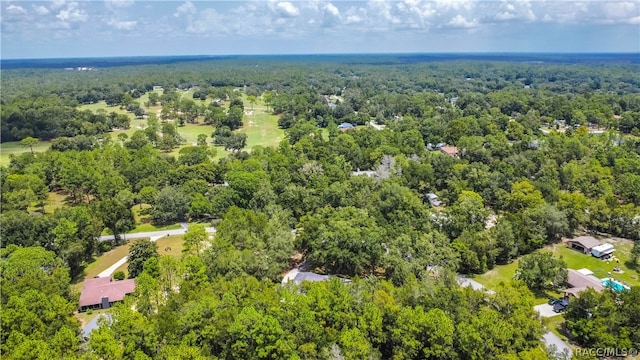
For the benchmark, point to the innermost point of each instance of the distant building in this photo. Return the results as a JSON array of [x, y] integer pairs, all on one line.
[[345, 126], [433, 199], [309, 276], [584, 244], [449, 150], [369, 173], [157, 88], [102, 293]]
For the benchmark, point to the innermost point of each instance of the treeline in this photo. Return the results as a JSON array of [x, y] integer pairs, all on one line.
[[49, 117], [215, 318], [576, 94]]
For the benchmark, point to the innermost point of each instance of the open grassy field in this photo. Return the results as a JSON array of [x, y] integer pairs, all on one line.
[[54, 201], [504, 274], [14, 147], [260, 126], [169, 245], [102, 106], [499, 274]]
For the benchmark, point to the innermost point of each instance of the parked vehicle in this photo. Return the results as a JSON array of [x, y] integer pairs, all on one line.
[[559, 306], [553, 301]]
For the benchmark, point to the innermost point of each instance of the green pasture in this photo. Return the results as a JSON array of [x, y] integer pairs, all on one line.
[[14, 147]]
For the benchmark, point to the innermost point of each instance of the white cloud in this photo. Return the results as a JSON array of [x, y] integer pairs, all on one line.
[[517, 10], [15, 10], [72, 14], [454, 4], [618, 10], [122, 25], [119, 3], [41, 10], [353, 19], [330, 15], [187, 9], [287, 9], [208, 22], [460, 21], [57, 4]]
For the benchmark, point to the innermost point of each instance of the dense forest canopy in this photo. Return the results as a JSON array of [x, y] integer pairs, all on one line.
[[544, 151]]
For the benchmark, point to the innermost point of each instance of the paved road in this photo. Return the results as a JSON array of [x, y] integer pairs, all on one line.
[[561, 348], [150, 234]]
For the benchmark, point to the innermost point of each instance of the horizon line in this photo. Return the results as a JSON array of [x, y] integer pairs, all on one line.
[[338, 54]]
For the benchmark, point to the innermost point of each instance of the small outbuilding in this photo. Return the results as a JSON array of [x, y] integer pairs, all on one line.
[[602, 250], [584, 244], [433, 199]]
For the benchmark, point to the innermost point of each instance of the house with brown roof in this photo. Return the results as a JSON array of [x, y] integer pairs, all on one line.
[[581, 280], [449, 150], [584, 244], [102, 293]]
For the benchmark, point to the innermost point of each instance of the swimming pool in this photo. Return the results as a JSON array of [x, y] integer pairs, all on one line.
[[616, 286]]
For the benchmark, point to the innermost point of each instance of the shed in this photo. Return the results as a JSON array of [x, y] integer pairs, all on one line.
[[433, 199], [584, 244], [602, 250]]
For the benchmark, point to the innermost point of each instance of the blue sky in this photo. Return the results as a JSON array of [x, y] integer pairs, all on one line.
[[62, 28]]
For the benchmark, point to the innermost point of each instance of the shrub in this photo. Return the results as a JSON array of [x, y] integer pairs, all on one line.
[[119, 275]]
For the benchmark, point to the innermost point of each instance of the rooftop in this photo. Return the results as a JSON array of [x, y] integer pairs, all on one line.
[[449, 150], [309, 276], [95, 289], [580, 282], [587, 242]]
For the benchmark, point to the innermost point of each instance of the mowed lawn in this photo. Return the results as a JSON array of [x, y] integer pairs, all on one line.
[[168, 245], [14, 147]]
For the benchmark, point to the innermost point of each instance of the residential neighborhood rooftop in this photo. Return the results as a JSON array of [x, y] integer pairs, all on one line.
[[96, 289]]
